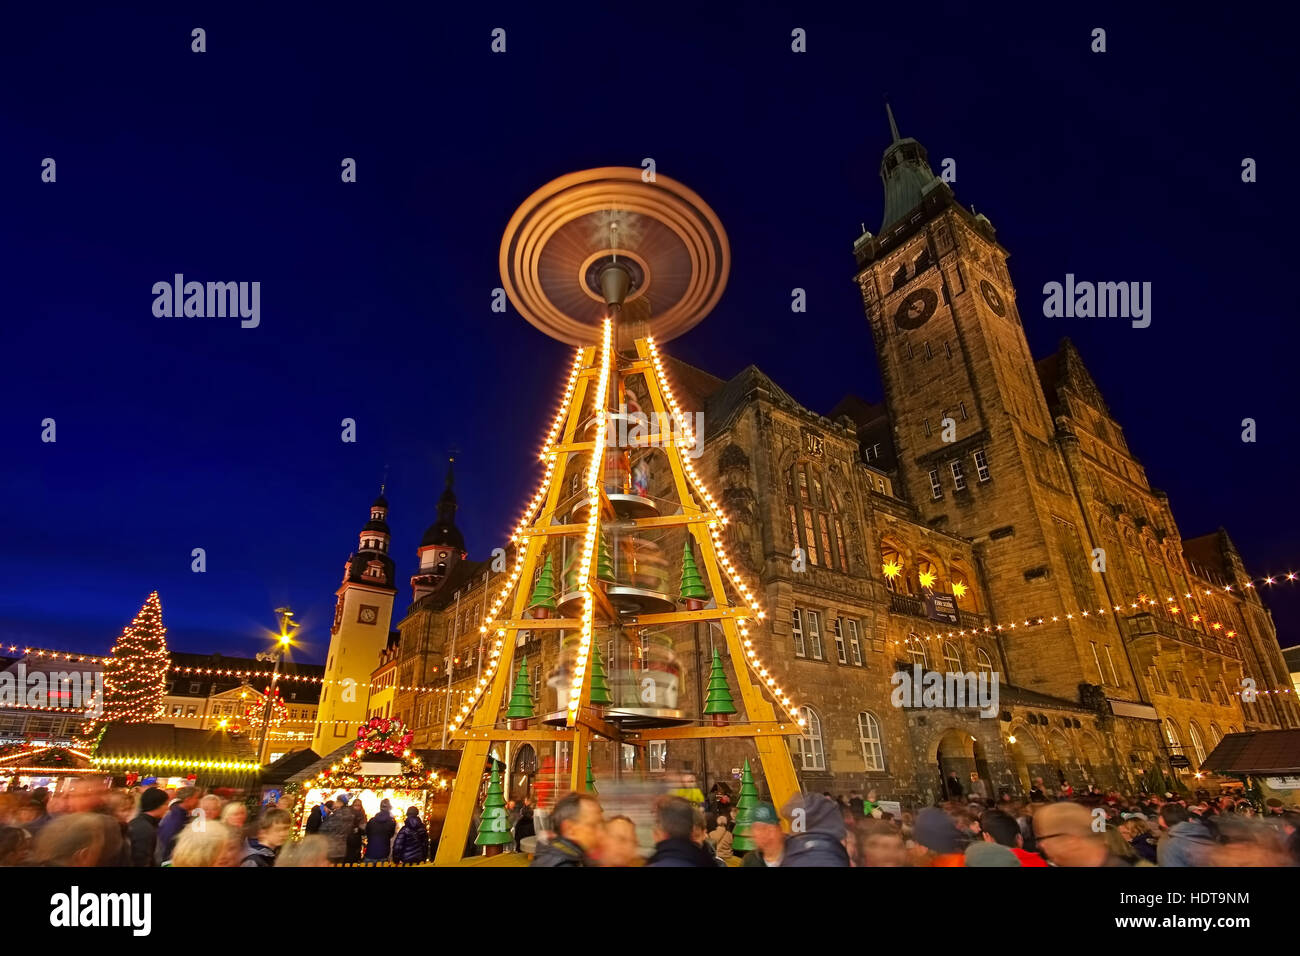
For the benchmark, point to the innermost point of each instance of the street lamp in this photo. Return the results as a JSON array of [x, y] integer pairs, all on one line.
[[285, 639]]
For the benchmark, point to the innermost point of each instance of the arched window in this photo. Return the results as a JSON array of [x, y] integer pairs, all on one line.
[[815, 520], [892, 566], [916, 651], [873, 755], [1171, 735], [1197, 744], [961, 589], [1215, 735], [927, 574], [951, 659], [983, 662], [811, 752]]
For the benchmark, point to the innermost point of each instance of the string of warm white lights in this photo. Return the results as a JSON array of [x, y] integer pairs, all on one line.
[[765, 676], [507, 589], [593, 520]]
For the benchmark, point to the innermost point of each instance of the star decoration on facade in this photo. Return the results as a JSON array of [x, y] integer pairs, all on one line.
[[892, 569], [927, 579], [959, 590]]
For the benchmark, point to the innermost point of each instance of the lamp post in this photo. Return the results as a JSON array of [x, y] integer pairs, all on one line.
[[274, 655]]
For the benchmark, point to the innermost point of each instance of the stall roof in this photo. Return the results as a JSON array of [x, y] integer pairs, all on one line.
[[168, 740], [1257, 752], [285, 769]]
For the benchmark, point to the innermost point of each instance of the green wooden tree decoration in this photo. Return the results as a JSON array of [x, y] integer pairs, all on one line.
[[745, 804], [717, 700], [543, 597], [694, 592], [591, 778], [494, 827], [599, 688], [521, 699], [604, 561]]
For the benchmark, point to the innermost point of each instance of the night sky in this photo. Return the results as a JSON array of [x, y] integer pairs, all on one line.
[[175, 434]]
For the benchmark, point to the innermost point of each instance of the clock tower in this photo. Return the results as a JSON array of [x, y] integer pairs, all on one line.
[[977, 449], [363, 610]]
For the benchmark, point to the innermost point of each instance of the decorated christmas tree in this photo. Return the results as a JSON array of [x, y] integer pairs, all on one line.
[[599, 688], [520, 709], [717, 700], [136, 675], [745, 810], [694, 593], [494, 828], [542, 601], [591, 778]]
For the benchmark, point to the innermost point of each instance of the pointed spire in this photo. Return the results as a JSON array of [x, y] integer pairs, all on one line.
[[893, 126], [905, 171], [447, 503]]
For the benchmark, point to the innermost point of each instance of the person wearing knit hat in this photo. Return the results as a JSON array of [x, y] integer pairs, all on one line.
[[937, 839], [817, 831], [143, 830], [990, 854]]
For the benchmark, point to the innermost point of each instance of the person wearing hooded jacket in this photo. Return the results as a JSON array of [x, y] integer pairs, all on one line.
[[412, 842], [817, 832], [1186, 841]]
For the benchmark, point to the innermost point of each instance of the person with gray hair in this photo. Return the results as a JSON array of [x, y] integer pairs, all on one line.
[[674, 831]]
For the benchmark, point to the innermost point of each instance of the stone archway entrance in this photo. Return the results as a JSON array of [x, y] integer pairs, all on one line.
[[956, 754], [523, 772], [1027, 758]]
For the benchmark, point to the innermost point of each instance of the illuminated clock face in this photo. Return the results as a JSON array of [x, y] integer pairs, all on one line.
[[915, 310], [993, 297], [368, 614]]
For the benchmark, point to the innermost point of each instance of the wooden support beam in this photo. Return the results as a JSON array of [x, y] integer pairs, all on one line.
[[706, 614], [708, 733]]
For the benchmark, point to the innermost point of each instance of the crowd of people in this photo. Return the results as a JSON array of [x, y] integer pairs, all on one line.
[[89, 824], [1061, 828]]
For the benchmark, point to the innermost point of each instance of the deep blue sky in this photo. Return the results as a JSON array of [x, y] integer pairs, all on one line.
[[376, 296]]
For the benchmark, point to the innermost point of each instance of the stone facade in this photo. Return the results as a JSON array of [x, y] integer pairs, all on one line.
[[988, 518]]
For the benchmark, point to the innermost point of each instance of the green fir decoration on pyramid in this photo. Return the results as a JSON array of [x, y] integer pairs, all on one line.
[[544, 590], [591, 778], [494, 827], [745, 804], [604, 561], [717, 700], [521, 699], [693, 588], [599, 689]]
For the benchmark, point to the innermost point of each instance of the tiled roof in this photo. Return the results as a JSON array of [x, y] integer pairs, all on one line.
[[167, 740]]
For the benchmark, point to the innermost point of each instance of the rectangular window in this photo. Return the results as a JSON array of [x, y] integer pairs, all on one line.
[[629, 757], [794, 528], [656, 756], [958, 479], [190, 711], [815, 635], [796, 631], [176, 710], [928, 353], [936, 488], [962, 406], [947, 349], [981, 465], [840, 651], [1100, 675], [1111, 661], [194, 687], [855, 644], [872, 452], [925, 425], [909, 350], [839, 541]]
